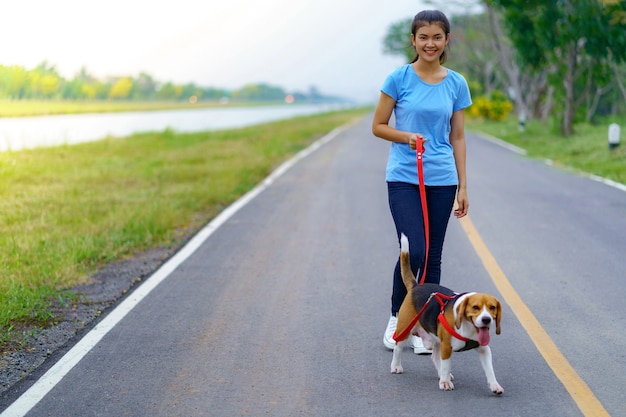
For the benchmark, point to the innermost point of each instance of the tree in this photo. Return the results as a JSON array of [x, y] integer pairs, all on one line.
[[575, 41], [397, 41], [144, 87], [192, 90], [261, 92], [169, 91], [212, 93], [121, 88], [49, 85], [13, 82], [473, 53], [527, 87], [44, 81]]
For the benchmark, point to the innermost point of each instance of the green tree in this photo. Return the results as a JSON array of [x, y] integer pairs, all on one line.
[[576, 41], [43, 81], [262, 92], [121, 88], [192, 90], [144, 87], [397, 41], [50, 85], [169, 91], [13, 82], [212, 93], [472, 52], [72, 90]]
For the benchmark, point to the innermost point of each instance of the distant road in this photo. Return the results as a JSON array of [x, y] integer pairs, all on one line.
[[281, 310]]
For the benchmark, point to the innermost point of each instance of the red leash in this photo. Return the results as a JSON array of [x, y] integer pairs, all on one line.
[[419, 148]]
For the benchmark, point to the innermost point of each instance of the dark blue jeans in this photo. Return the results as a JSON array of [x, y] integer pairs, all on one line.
[[406, 210]]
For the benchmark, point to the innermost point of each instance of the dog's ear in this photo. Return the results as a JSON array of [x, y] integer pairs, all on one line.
[[460, 312], [498, 316]]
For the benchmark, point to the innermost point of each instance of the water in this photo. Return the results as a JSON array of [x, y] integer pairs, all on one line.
[[29, 132]]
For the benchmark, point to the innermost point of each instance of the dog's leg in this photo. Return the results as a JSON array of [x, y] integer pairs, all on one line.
[[445, 377], [445, 374], [484, 353], [436, 357], [396, 362], [426, 338]]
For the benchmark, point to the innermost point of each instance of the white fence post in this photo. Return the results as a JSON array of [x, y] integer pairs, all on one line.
[[613, 136]]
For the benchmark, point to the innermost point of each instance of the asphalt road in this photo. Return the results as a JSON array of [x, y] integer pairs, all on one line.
[[281, 310]]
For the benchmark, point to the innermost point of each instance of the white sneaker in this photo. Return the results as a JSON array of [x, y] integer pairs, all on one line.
[[391, 329], [418, 346]]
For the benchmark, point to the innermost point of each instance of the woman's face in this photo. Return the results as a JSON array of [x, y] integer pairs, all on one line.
[[429, 42]]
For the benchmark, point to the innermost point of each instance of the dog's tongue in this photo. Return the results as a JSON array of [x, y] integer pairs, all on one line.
[[483, 336]]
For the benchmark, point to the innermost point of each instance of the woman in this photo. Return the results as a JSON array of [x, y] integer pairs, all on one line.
[[428, 102]]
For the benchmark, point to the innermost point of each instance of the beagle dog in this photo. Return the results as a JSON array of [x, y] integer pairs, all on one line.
[[446, 322]]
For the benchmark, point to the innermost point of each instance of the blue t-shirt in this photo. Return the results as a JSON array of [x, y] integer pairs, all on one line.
[[426, 109]]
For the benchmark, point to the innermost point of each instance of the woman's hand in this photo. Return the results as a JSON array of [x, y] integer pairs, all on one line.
[[462, 204], [413, 137]]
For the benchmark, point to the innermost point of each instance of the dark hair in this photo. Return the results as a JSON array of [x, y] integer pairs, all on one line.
[[429, 17]]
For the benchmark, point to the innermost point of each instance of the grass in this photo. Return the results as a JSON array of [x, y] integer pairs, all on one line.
[[586, 151], [67, 211]]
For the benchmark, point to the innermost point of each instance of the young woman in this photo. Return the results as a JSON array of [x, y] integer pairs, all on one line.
[[428, 102]]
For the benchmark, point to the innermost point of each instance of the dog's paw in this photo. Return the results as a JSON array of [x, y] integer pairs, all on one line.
[[446, 385], [397, 369], [496, 388]]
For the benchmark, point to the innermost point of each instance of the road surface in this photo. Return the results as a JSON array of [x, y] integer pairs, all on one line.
[[281, 310]]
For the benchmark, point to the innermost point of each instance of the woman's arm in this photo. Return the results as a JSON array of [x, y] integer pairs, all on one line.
[[457, 139], [380, 125]]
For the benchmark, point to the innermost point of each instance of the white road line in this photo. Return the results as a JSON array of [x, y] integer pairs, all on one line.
[[500, 142], [50, 379]]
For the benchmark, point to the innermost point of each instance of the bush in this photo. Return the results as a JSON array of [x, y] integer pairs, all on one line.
[[494, 107]]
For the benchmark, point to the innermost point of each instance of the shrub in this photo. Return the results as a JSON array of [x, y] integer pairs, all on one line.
[[494, 107]]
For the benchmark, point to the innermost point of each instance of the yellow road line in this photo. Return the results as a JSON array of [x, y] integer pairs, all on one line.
[[574, 384]]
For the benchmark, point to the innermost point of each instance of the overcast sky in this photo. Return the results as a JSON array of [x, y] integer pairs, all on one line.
[[335, 45]]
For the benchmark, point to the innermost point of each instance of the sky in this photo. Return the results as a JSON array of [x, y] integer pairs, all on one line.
[[333, 45]]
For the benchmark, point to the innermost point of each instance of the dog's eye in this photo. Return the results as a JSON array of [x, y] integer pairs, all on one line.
[[475, 308], [492, 308]]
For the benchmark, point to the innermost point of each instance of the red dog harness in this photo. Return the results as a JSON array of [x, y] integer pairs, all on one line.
[[442, 319], [443, 300]]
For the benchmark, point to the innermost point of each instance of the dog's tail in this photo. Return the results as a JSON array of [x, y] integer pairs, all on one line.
[[408, 277]]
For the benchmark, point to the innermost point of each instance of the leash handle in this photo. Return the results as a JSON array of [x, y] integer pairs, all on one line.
[[419, 149]]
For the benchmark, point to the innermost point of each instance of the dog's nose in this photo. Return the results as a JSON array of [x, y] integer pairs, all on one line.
[[486, 320]]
